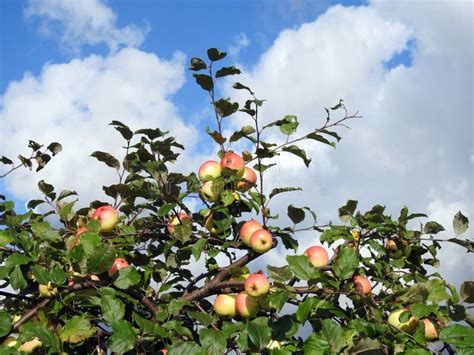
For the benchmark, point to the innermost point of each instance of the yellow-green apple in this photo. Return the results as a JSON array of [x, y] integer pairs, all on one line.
[[247, 229], [408, 326], [119, 263], [257, 285], [430, 330], [16, 318], [248, 180], [232, 163], [261, 241], [224, 306], [11, 342], [107, 216], [209, 224], [274, 344], [30, 346], [246, 305], [318, 256], [94, 277], [47, 290], [182, 218], [211, 191], [209, 170], [362, 284], [355, 233], [397, 249]]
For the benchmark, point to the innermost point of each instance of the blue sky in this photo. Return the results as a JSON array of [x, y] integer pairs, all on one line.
[[69, 68]]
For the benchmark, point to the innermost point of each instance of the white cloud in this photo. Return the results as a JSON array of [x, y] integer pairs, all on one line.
[[240, 42], [85, 22], [74, 102]]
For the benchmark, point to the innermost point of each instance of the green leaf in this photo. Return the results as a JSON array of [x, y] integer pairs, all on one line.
[[17, 280], [123, 339], [239, 86], [197, 64], [259, 332], [90, 241], [124, 130], [41, 274], [66, 193], [43, 230], [458, 335], [422, 310], [45, 188], [112, 308], [280, 190], [6, 236], [216, 136], [47, 337], [301, 267], [278, 299], [227, 71], [101, 259], [467, 291], [204, 81], [197, 248], [128, 277], [460, 223], [296, 214], [5, 323], [346, 211], [280, 274], [317, 137], [55, 148], [214, 54], [76, 330], [334, 334], [212, 341], [106, 158], [346, 262], [469, 245], [316, 344], [225, 108], [5, 160], [437, 290], [293, 149], [186, 348], [432, 227], [34, 203], [305, 308], [244, 132]]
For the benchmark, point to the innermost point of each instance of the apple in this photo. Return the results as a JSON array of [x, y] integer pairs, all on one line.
[[249, 179], [247, 229], [362, 284], [246, 305], [261, 241], [16, 318], [430, 330], [224, 306], [397, 249], [232, 163], [394, 319], [94, 277], [164, 351], [257, 285], [119, 263], [183, 219], [11, 342], [80, 230], [355, 234], [209, 170], [209, 224], [211, 191], [47, 290], [30, 346], [107, 216], [318, 256], [274, 344]]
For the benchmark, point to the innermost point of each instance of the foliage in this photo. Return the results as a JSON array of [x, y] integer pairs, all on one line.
[[157, 303]]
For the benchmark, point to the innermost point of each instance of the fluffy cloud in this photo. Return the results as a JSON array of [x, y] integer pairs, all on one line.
[[85, 22]]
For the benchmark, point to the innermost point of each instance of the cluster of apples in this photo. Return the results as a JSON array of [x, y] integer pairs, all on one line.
[[231, 164], [246, 303], [255, 236], [431, 333]]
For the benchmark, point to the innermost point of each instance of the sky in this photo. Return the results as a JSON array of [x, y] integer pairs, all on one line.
[[69, 68]]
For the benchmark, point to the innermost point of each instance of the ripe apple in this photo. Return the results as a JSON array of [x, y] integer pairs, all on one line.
[[30, 346], [232, 163], [362, 284], [394, 319], [210, 170], [80, 230], [261, 241], [247, 229], [11, 342], [397, 249], [119, 263], [249, 179], [107, 216], [211, 191], [246, 305], [47, 290], [184, 218], [430, 330], [257, 285], [224, 306], [318, 256]]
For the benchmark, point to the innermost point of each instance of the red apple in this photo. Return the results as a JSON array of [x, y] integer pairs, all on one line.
[[119, 263], [247, 229], [246, 305], [362, 284], [80, 230], [430, 330], [183, 219], [107, 216], [224, 306], [211, 191], [261, 241], [249, 179], [257, 285], [232, 163], [164, 351], [210, 170], [318, 256]]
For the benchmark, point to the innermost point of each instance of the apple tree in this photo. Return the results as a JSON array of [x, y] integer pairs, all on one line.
[[120, 275]]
